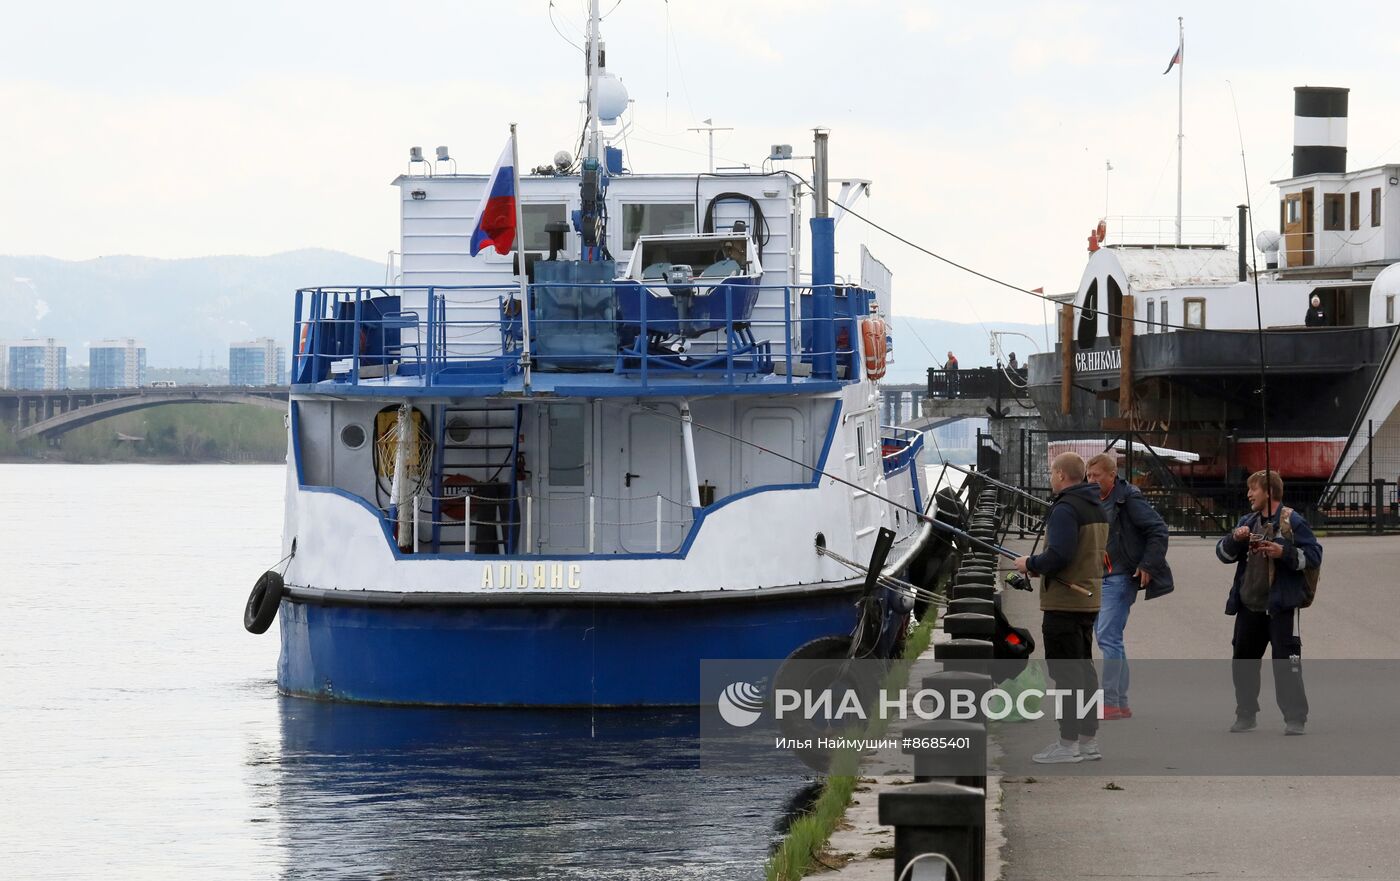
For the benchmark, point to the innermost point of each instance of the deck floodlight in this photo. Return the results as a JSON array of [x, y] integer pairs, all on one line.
[[415, 154], [442, 154]]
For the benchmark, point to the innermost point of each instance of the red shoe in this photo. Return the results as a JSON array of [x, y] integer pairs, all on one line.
[[1115, 714]]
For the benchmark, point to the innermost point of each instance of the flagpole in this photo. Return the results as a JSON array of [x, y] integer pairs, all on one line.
[[520, 258], [1180, 77]]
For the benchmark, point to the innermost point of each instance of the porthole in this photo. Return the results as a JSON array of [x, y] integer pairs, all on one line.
[[353, 436], [458, 429]]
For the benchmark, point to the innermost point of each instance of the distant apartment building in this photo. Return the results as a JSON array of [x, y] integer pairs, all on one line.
[[116, 364], [260, 362], [36, 364]]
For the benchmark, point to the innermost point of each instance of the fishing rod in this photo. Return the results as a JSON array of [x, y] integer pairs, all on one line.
[[1258, 312], [919, 515]]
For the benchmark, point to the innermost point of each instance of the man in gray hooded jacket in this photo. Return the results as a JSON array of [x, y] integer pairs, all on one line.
[[1137, 560]]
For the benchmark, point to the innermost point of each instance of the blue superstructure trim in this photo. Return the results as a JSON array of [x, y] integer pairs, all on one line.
[[678, 554], [605, 386]]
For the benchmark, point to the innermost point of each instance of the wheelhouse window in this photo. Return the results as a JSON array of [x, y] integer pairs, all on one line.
[[1151, 316], [655, 220], [1390, 309], [1115, 310], [1334, 208], [1194, 313], [535, 216], [1163, 320], [1089, 317], [1356, 210], [1376, 206]]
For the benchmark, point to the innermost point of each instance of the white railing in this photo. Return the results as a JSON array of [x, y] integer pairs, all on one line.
[[1127, 229]]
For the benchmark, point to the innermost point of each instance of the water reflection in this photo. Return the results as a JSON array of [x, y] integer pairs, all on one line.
[[391, 792]]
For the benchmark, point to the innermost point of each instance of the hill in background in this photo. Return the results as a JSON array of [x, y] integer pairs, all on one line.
[[184, 310], [181, 309]]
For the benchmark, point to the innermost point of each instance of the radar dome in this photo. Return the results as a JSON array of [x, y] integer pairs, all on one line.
[[612, 98], [1267, 240]]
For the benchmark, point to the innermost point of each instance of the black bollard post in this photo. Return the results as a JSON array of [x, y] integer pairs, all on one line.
[[972, 655], [937, 818], [970, 625], [977, 605], [980, 591], [948, 749]]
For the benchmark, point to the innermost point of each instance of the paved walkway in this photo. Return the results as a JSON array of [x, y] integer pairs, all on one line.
[[1304, 828]]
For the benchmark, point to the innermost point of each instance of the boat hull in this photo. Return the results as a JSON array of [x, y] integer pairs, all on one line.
[[645, 651]]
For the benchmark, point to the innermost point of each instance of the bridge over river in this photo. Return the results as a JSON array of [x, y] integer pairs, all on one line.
[[52, 413]]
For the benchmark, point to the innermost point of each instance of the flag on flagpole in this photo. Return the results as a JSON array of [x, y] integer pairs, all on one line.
[[1176, 59], [495, 217]]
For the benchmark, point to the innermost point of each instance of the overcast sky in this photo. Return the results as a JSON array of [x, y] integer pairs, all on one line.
[[174, 129]]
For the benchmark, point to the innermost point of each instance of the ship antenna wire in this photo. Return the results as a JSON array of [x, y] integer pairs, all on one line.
[[1258, 311]]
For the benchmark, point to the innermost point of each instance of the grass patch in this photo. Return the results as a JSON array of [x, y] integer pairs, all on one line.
[[800, 852]]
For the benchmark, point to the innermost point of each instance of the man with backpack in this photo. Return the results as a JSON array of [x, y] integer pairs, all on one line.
[[1071, 571], [1277, 560]]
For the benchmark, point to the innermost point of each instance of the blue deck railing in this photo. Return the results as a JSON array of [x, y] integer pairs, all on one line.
[[899, 446], [435, 336]]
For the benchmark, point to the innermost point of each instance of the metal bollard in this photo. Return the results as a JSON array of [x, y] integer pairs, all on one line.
[[948, 749], [980, 591], [970, 625], [972, 655], [975, 576], [941, 818], [977, 605]]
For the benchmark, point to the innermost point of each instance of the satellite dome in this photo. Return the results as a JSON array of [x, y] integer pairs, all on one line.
[[1267, 240], [612, 98]]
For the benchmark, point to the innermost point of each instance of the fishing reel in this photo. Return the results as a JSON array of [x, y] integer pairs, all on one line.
[[1017, 581]]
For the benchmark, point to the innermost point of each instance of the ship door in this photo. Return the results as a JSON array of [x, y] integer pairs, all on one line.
[[564, 481], [1298, 229], [654, 458]]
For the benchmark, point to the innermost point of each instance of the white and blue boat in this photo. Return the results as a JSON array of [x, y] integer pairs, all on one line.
[[572, 488]]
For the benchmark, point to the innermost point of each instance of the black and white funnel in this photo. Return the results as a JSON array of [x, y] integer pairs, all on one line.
[[1319, 130]]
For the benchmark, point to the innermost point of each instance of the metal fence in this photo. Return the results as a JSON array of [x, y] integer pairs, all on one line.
[[978, 382], [1195, 480]]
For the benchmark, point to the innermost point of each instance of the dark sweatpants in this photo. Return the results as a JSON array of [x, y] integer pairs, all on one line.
[[1255, 631], [1069, 653]]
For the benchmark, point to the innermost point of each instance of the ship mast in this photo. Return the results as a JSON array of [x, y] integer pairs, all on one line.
[[593, 65], [1180, 78]]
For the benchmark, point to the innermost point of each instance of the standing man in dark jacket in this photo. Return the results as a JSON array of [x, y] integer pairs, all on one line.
[[1071, 570], [950, 373], [1317, 316], [1137, 548], [1265, 599]]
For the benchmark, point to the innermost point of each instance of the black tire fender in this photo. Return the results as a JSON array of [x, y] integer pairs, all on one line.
[[263, 602], [830, 670]]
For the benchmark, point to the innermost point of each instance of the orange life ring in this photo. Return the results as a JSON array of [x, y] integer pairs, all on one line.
[[455, 489], [872, 332]]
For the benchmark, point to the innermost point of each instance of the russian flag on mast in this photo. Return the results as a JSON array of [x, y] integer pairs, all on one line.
[[1176, 59], [496, 216]]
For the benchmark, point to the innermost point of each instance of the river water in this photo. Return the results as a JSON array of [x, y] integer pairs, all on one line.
[[144, 737]]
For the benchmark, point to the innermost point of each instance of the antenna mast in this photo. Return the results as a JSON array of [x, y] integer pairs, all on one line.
[[593, 65]]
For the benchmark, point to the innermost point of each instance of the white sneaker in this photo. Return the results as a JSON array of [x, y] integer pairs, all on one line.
[[1089, 750], [1058, 754]]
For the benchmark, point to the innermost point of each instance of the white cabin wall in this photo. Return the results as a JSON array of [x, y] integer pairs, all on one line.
[[436, 230]]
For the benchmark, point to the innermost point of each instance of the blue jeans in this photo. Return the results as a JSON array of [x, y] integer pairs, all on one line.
[[1119, 594]]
